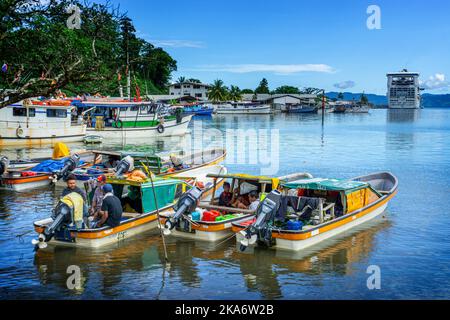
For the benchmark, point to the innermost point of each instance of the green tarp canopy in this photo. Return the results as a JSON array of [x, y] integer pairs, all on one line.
[[327, 184]]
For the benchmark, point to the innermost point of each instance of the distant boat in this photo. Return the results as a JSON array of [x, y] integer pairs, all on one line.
[[198, 110], [93, 139], [301, 108], [243, 108]]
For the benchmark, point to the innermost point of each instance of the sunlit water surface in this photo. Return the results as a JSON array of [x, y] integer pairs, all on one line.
[[410, 244]]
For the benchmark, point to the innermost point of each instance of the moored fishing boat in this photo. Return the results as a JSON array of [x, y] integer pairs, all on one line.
[[105, 163], [312, 210], [212, 220], [93, 139], [301, 108], [113, 119], [243, 108], [39, 122], [140, 215]]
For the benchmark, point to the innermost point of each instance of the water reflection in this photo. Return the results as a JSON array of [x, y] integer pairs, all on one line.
[[406, 115]]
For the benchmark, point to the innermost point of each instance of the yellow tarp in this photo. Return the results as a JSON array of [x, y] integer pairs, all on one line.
[[75, 201], [60, 150]]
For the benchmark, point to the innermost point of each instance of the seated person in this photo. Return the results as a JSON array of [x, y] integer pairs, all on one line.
[[133, 199], [111, 163], [254, 200], [241, 201], [111, 211], [177, 163], [226, 196]]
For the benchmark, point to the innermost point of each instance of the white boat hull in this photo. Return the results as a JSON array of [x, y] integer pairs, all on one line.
[[33, 137], [25, 186], [243, 110], [297, 245], [171, 128], [202, 235]]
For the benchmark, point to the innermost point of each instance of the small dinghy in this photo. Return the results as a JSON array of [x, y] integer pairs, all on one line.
[[212, 220], [309, 211], [93, 139]]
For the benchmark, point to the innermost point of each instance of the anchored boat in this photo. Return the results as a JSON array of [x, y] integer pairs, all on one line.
[[139, 215], [212, 220], [39, 122], [243, 108], [309, 211], [130, 120]]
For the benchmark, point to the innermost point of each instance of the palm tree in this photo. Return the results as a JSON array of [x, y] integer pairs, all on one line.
[[181, 80], [235, 93], [217, 92]]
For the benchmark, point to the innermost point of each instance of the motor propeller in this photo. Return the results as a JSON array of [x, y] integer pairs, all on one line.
[[70, 165], [125, 165]]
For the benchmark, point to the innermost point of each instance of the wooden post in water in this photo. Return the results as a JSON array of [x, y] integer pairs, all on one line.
[[323, 107]]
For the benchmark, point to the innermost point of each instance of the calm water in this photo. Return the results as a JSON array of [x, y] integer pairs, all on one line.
[[410, 244]]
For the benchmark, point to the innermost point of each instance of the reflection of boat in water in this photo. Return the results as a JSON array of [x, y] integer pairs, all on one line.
[[311, 211]]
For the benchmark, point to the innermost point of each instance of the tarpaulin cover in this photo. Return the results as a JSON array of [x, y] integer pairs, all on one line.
[[52, 165]]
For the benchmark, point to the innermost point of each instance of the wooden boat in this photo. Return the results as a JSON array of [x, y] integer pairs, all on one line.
[[132, 120], [339, 206], [243, 108], [200, 229], [32, 178], [167, 191], [104, 162], [38, 123]]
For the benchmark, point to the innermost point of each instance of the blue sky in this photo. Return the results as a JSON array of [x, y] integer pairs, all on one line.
[[323, 44]]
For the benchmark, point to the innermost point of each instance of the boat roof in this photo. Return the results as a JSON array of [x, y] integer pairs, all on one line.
[[241, 176], [143, 183], [327, 184]]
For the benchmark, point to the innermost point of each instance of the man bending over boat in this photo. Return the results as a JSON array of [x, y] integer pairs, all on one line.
[[111, 211]]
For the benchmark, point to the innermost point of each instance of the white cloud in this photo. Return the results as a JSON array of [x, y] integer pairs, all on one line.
[[177, 43], [435, 82], [345, 85], [283, 69]]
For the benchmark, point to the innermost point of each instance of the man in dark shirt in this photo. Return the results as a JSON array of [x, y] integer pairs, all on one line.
[[72, 187], [226, 196], [111, 212]]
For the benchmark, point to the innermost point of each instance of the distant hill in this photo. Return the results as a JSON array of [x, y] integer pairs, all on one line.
[[428, 100]]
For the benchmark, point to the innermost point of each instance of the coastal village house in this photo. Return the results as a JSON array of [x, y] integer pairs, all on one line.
[[193, 89]]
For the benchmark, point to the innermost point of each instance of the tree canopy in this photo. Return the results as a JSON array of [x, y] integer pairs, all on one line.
[[286, 90], [40, 54], [263, 87]]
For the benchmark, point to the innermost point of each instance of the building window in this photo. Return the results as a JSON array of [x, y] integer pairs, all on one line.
[[196, 86], [198, 95], [177, 86], [56, 113], [19, 112], [31, 112]]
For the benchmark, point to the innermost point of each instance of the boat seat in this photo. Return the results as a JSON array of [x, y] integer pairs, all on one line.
[[128, 215]]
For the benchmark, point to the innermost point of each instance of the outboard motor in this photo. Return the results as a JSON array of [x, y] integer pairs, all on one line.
[[125, 165], [261, 228], [4, 164], [70, 165], [185, 205], [62, 216]]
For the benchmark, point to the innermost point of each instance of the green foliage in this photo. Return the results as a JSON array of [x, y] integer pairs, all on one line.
[[286, 90], [247, 91], [340, 96], [234, 93], [263, 87], [218, 92], [364, 99], [43, 55]]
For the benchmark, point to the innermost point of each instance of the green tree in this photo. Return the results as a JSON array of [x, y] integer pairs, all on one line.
[[193, 80], [218, 91], [263, 87], [286, 90], [234, 93], [247, 91], [181, 80], [310, 90], [364, 99], [340, 96]]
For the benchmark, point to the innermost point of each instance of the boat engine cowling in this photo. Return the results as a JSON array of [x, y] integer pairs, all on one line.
[[61, 216], [70, 165], [260, 229], [125, 165], [4, 163], [185, 205]]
